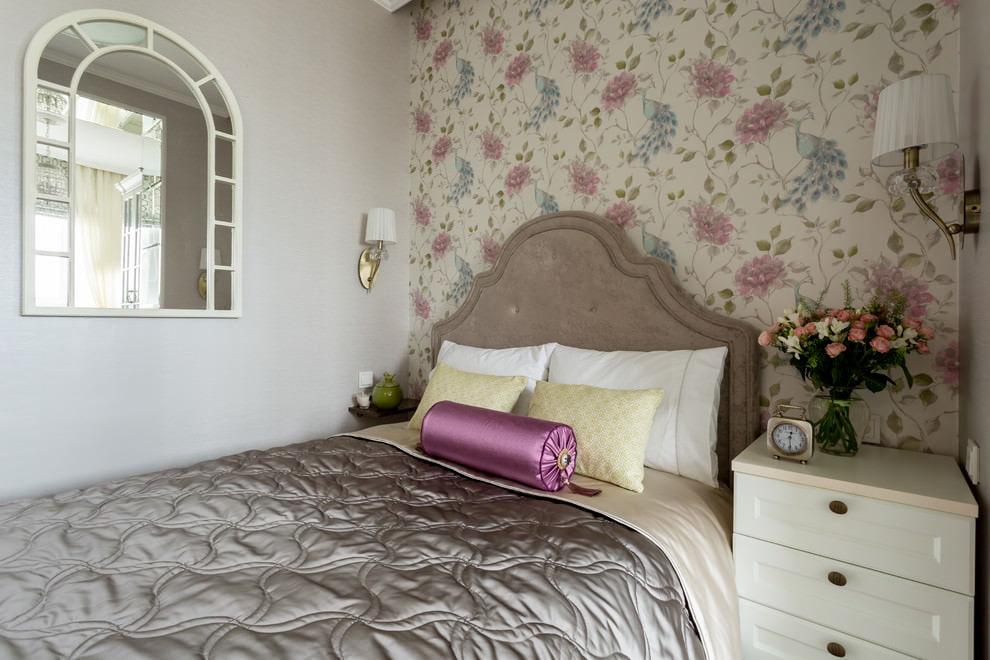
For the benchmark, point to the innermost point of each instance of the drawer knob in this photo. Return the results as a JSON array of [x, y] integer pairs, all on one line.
[[836, 649], [837, 578], [838, 507]]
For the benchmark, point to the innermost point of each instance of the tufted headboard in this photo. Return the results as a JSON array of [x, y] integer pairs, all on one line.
[[575, 278]]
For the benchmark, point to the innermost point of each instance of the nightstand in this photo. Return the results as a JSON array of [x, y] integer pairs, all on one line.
[[400, 413], [871, 556]]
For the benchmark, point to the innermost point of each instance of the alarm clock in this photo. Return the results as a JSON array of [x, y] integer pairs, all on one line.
[[790, 437]]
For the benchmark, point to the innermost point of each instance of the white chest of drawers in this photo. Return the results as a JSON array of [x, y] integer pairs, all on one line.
[[871, 556]]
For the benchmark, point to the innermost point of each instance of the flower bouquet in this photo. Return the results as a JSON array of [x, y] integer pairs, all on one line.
[[839, 350]]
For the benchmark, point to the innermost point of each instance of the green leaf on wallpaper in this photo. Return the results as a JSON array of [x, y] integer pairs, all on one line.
[[865, 31], [851, 26], [775, 74], [621, 194], [897, 205], [838, 253], [839, 84], [688, 156], [583, 145], [688, 15], [629, 51], [853, 79], [910, 260], [851, 197], [763, 246], [764, 90], [928, 25], [853, 251], [899, 24], [782, 247], [730, 307], [629, 181], [709, 185], [620, 65], [928, 397], [710, 154], [895, 243], [730, 157], [725, 293], [764, 402], [775, 389], [782, 89], [725, 146], [671, 58], [634, 62], [923, 380], [710, 40], [671, 196], [720, 51], [895, 63], [774, 232], [710, 300], [633, 194], [923, 10], [730, 8], [894, 423], [864, 205]]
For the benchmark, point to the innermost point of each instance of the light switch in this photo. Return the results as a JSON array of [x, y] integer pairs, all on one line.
[[366, 378]]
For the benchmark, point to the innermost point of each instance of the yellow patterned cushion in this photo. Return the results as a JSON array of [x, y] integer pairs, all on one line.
[[611, 427], [450, 384]]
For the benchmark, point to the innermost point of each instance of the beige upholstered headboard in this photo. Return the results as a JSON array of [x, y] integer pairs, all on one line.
[[574, 278]]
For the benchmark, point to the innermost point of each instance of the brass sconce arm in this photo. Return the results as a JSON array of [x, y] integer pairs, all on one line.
[[369, 263]]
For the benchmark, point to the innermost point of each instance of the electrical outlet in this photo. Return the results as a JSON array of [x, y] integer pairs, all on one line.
[[366, 378], [973, 461]]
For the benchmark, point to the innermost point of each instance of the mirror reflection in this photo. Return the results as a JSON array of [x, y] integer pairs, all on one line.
[[135, 172]]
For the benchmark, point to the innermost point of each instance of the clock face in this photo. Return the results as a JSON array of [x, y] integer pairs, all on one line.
[[789, 438]]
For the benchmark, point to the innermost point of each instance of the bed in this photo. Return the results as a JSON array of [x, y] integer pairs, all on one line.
[[361, 545]]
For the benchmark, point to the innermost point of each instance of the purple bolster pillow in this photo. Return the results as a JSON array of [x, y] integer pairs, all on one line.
[[535, 452]]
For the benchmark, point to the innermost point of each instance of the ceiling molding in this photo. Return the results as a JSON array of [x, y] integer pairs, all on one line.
[[392, 5]]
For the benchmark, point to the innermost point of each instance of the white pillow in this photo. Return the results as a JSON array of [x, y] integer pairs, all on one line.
[[683, 438], [530, 361]]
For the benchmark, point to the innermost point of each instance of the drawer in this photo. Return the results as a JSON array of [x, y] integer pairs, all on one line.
[[768, 634], [929, 546], [892, 612]]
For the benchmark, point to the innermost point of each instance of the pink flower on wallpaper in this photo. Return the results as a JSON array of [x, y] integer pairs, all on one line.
[[952, 4], [441, 243], [441, 148], [760, 275], [584, 57], [422, 213], [949, 174], [757, 122], [490, 249], [711, 79], [518, 68], [421, 305], [947, 364], [443, 51], [709, 225], [618, 90], [621, 213], [870, 107], [491, 145], [423, 28], [890, 283], [584, 179], [423, 121], [517, 177], [492, 40]]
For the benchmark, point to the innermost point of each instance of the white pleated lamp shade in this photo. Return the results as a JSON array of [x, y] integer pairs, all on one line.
[[915, 112], [381, 226]]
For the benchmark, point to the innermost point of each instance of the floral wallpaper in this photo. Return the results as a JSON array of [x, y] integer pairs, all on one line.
[[731, 139]]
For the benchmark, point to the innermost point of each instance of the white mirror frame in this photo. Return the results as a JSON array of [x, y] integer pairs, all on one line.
[[235, 137]]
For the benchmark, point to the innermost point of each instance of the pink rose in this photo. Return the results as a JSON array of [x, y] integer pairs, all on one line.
[[835, 349], [880, 344], [765, 339], [857, 334], [867, 318], [775, 327], [927, 333], [843, 315], [885, 331], [911, 322], [923, 348], [810, 328]]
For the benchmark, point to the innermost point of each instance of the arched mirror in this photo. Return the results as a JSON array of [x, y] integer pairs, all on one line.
[[132, 173]]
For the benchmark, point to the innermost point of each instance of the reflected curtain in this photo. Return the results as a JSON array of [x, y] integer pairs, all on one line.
[[99, 224]]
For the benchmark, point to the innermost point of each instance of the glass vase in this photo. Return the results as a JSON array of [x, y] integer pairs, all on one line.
[[840, 418]]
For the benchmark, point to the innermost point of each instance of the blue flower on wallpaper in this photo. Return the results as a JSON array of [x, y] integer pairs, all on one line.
[[826, 164], [546, 105], [649, 11], [537, 7], [659, 248], [816, 16], [465, 278], [464, 81], [661, 127], [546, 201], [465, 179]]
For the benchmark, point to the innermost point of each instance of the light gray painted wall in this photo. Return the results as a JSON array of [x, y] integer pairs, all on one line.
[[974, 307], [323, 91]]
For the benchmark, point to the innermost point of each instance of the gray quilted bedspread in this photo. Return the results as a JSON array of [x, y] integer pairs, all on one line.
[[334, 548]]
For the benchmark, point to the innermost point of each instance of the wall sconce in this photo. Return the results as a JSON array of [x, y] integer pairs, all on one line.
[[916, 124], [380, 231], [202, 268]]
